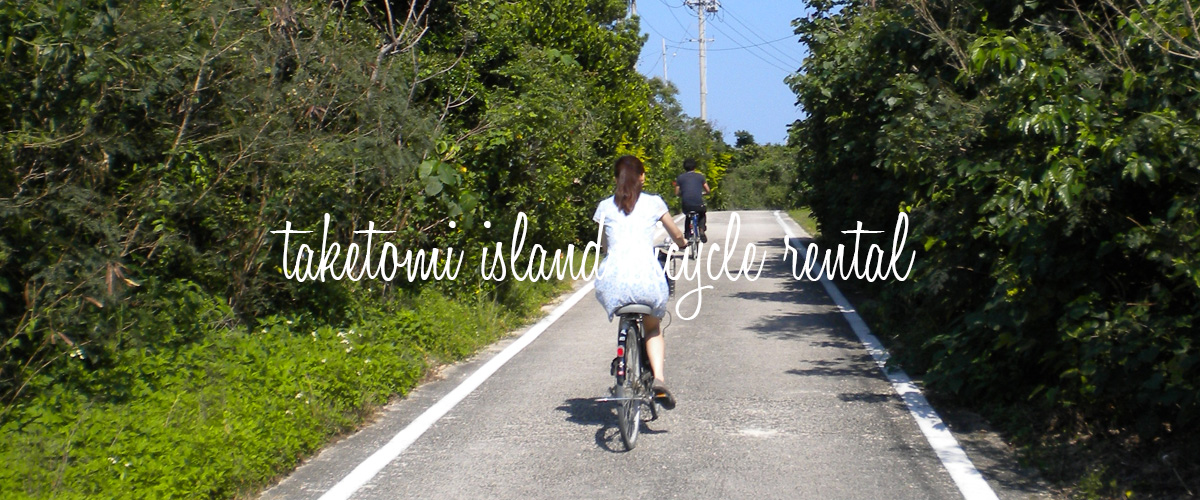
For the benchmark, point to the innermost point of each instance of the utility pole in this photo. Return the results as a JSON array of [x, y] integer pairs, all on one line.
[[703, 7], [703, 67], [664, 40]]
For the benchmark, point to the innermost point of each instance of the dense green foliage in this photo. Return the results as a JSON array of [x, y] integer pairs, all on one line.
[[761, 176], [1047, 155], [544, 97], [684, 137], [147, 151], [152, 149], [222, 416]]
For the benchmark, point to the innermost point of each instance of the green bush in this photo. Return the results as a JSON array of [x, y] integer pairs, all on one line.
[[1047, 159], [762, 177], [224, 415], [147, 151]]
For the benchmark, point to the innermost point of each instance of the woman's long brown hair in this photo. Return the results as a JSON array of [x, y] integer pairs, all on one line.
[[628, 172]]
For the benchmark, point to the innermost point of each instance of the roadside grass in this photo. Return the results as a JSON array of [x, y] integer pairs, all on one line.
[[228, 415], [804, 217], [1087, 460]]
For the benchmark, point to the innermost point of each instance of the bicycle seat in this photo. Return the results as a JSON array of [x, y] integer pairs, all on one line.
[[635, 309]]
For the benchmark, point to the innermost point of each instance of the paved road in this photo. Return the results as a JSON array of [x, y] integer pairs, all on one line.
[[777, 399]]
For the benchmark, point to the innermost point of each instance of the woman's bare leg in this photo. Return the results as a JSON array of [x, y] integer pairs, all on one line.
[[655, 346]]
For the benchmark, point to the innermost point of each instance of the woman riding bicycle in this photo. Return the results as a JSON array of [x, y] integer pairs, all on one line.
[[630, 273]]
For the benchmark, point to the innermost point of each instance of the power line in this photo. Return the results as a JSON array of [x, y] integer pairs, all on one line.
[[743, 47], [656, 60], [755, 54], [676, 18], [655, 30], [760, 37], [664, 57], [748, 41]]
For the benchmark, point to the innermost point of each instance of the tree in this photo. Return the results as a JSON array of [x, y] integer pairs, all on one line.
[[744, 139], [1044, 155]]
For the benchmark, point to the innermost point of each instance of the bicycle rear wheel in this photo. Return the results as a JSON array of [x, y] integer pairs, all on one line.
[[629, 415], [694, 236]]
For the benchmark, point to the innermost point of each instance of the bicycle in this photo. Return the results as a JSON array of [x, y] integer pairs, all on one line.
[[635, 379], [692, 233], [634, 376]]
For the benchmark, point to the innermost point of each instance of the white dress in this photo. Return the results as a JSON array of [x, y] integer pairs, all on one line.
[[631, 274]]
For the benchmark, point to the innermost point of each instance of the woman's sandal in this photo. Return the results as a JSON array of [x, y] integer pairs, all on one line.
[[663, 396]]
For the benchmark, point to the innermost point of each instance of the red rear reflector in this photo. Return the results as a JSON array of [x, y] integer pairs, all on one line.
[[620, 351]]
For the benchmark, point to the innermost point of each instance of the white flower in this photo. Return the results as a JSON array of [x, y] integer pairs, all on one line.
[[299, 395]]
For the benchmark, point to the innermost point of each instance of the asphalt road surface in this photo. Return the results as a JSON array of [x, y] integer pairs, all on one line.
[[777, 399]]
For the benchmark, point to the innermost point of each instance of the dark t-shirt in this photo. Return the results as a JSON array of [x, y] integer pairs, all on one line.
[[691, 188]]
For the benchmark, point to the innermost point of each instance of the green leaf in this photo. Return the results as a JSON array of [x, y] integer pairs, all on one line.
[[426, 168], [433, 186], [447, 174], [468, 201]]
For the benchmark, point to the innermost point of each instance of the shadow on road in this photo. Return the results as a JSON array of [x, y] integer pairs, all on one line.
[[603, 414], [856, 366], [837, 343], [817, 322]]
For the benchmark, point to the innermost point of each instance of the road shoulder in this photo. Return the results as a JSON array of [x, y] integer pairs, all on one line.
[[992, 456]]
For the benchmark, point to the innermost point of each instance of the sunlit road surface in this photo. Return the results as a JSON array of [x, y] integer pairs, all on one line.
[[777, 399]]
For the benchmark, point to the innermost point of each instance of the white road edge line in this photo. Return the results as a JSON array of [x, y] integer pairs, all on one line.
[[970, 482], [367, 470]]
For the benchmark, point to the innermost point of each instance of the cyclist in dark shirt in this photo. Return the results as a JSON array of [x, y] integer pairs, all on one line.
[[691, 187]]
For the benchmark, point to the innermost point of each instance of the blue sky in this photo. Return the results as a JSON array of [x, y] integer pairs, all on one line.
[[752, 51]]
